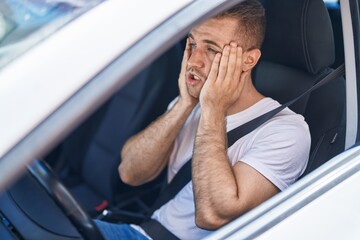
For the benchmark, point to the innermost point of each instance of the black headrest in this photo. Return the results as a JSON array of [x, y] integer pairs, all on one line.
[[298, 34]]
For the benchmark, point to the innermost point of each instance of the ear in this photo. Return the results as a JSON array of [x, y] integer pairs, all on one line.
[[250, 59]]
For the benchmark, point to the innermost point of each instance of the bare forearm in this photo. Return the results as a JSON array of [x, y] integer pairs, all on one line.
[[213, 178], [146, 154]]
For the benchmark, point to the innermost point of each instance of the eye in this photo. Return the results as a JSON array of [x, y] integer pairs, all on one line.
[[211, 50], [192, 45]]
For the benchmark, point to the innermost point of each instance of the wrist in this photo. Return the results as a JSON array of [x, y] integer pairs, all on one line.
[[213, 122], [212, 116], [213, 110], [181, 110], [185, 106]]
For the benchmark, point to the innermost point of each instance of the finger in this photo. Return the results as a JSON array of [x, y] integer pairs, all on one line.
[[186, 52], [232, 64], [224, 63], [185, 59], [238, 68], [214, 68]]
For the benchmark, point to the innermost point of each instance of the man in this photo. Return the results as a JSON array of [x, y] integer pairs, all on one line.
[[217, 95]]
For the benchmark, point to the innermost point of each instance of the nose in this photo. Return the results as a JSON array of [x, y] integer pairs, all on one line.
[[196, 59]]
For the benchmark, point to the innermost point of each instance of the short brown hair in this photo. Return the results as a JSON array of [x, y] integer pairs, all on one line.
[[252, 21]]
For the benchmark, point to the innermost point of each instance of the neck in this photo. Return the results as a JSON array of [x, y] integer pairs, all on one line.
[[248, 97]]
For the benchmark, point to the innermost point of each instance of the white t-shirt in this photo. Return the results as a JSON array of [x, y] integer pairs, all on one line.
[[279, 150]]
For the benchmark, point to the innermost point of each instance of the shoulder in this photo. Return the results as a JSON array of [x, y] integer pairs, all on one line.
[[287, 131], [288, 123], [285, 122], [279, 148]]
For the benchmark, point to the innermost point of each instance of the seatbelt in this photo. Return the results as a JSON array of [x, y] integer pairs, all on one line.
[[256, 122], [157, 231], [184, 174]]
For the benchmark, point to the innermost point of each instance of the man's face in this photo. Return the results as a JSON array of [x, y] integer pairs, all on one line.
[[206, 40]]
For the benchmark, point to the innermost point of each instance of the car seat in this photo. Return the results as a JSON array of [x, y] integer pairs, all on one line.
[[335, 16], [90, 156], [298, 50]]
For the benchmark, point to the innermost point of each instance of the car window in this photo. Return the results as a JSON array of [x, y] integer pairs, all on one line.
[[23, 23], [331, 1]]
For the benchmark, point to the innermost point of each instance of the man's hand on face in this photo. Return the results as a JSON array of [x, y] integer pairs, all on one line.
[[185, 97], [225, 81]]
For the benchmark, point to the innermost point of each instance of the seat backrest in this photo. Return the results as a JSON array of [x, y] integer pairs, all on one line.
[[298, 50], [335, 16], [93, 150], [129, 111]]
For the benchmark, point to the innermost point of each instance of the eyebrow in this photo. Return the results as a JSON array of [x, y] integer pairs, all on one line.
[[206, 41]]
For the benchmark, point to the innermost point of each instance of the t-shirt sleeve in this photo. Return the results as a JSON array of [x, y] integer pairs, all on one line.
[[280, 151]]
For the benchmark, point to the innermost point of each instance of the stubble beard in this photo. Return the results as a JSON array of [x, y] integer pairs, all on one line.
[[194, 91]]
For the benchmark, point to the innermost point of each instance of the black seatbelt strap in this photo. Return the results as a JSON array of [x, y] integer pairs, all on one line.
[[157, 231], [184, 174], [247, 127], [182, 177]]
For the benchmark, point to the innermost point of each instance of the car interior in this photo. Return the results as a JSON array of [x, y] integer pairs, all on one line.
[[302, 45]]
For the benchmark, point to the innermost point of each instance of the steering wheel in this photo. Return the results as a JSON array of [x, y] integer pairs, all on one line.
[[66, 202]]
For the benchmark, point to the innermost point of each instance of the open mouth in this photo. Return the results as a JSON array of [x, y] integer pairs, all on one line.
[[193, 79]]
